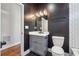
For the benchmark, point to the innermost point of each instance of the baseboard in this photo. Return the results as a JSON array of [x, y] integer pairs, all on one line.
[[26, 52]]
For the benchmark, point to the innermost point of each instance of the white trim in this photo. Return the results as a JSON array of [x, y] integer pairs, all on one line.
[[22, 29], [26, 52]]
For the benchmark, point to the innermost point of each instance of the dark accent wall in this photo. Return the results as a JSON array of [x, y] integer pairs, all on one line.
[[58, 25], [26, 33], [26, 41]]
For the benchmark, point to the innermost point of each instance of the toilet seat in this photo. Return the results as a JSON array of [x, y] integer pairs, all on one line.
[[58, 50]]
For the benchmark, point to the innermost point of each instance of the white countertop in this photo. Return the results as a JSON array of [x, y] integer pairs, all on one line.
[[38, 34]]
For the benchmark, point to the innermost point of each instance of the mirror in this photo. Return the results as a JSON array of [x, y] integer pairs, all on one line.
[[41, 21]]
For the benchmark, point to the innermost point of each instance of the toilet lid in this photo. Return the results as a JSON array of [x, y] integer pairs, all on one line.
[[57, 50]]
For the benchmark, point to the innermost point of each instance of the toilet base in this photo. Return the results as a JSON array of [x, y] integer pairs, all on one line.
[[57, 51], [55, 54]]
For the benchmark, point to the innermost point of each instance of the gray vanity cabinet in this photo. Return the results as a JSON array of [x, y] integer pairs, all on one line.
[[39, 44]]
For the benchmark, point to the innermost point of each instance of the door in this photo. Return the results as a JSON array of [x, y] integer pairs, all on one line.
[[12, 24]]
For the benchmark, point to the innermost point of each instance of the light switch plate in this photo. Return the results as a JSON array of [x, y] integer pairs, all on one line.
[[26, 27]]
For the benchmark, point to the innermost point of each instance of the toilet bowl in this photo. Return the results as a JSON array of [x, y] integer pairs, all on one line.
[[57, 49]]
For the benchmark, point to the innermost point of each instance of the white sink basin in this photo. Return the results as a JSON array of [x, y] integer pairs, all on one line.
[[75, 51], [38, 33]]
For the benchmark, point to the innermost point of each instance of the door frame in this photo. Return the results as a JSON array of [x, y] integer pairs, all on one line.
[[23, 53], [22, 27]]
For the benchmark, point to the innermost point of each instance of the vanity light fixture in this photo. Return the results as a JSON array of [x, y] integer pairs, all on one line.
[[37, 14], [41, 13], [45, 12], [30, 16]]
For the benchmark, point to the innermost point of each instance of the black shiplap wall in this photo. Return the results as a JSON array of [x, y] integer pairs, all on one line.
[[58, 24], [26, 33]]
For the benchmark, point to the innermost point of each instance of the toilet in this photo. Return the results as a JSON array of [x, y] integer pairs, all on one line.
[[57, 49], [75, 51]]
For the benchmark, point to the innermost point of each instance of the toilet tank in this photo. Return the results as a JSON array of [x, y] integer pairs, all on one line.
[[58, 40]]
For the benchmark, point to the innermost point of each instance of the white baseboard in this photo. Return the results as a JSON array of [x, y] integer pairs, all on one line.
[[26, 52]]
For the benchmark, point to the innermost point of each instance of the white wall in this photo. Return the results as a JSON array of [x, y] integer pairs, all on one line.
[[74, 25]]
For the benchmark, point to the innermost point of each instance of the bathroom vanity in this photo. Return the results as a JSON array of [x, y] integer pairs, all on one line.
[[39, 42]]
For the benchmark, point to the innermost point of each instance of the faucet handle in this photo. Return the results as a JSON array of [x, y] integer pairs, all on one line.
[[2, 43]]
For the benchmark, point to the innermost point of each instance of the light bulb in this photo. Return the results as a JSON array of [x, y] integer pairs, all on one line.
[[30, 16], [37, 14], [45, 12], [41, 13]]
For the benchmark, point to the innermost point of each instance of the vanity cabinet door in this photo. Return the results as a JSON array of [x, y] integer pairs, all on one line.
[[42, 41], [41, 50], [33, 47], [38, 44], [42, 45]]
